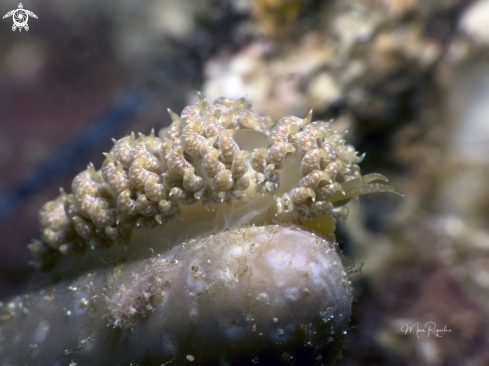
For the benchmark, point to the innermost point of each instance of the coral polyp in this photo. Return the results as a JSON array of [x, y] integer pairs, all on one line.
[[220, 153]]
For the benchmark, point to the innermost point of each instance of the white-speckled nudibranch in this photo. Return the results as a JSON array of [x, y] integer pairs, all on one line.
[[184, 248]]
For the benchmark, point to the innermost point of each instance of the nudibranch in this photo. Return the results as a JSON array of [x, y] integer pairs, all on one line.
[[206, 262], [242, 167]]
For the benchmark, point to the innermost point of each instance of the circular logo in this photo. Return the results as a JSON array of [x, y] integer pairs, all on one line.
[[20, 18]]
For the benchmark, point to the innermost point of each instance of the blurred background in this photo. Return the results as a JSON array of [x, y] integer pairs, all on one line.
[[409, 80]]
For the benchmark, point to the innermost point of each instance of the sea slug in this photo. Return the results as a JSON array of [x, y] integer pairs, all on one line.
[[206, 264], [216, 167]]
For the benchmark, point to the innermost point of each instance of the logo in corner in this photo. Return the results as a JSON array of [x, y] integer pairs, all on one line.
[[20, 17]]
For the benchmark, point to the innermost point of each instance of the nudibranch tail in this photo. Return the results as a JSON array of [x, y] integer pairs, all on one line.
[[211, 155]]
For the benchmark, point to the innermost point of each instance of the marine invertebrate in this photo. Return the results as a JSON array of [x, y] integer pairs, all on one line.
[[242, 167], [226, 290]]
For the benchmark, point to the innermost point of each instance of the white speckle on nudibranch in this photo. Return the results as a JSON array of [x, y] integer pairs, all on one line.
[[185, 248]]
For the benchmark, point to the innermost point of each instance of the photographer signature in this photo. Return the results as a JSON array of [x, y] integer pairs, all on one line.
[[428, 329]]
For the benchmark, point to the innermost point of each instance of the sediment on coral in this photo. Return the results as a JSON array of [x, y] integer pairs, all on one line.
[[217, 166], [256, 295]]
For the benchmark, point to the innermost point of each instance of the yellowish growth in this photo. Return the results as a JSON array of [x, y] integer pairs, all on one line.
[[325, 225]]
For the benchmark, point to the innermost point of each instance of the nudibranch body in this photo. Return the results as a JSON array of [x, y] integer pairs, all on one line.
[[242, 167], [227, 280]]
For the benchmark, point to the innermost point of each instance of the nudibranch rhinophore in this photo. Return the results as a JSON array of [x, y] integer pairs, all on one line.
[[227, 280]]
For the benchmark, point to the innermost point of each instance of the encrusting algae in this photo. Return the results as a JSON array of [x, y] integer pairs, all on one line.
[[213, 153]]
